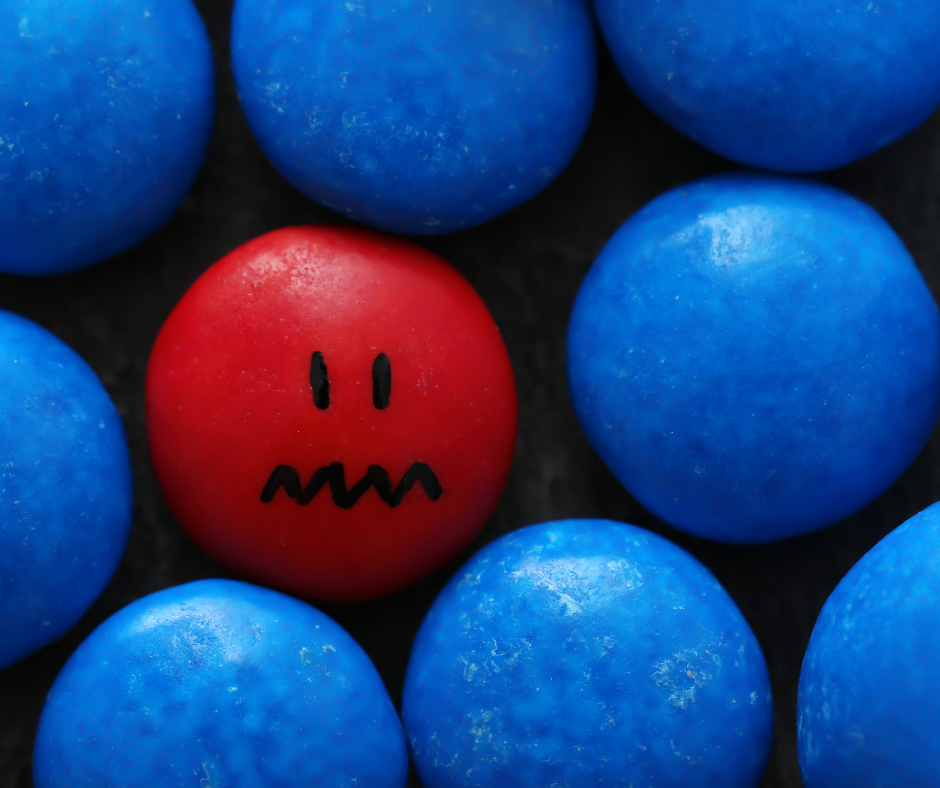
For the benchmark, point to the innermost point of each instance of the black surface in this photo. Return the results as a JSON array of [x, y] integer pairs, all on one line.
[[527, 266]]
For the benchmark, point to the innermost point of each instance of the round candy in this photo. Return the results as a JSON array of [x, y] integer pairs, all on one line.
[[105, 113], [65, 488], [797, 87], [755, 357], [219, 683], [869, 692], [331, 412], [412, 116], [586, 652]]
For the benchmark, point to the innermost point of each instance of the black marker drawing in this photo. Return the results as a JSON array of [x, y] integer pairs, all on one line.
[[381, 381], [286, 476], [319, 381]]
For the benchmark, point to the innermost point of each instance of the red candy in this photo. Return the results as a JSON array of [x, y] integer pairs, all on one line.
[[331, 412]]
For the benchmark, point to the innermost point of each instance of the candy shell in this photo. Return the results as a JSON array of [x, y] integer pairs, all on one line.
[[331, 411], [416, 117], [869, 693], [586, 652], [65, 488], [755, 357], [222, 683], [795, 87], [105, 113]]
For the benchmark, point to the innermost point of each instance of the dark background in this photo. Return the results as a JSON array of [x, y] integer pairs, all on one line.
[[527, 266]]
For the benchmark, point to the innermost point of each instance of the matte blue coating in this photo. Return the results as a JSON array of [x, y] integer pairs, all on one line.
[[791, 86], [586, 652], [416, 116], [219, 683], [755, 357], [65, 488], [105, 112], [868, 699]]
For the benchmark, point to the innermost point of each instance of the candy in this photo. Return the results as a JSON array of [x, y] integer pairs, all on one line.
[[219, 682], [105, 114], [331, 411], [586, 652], [868, 697], [65, 488], [755, 357], [417, 117], [797, 87]]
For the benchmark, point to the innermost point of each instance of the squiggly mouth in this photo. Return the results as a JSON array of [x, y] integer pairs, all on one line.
[[286, 476]]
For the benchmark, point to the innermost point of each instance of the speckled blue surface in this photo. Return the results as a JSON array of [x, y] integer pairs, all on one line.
[[869, 687], [586, 652], [105, 114], [791, 86], [755, 357], [65, 488], [224, 684], [416, 116]]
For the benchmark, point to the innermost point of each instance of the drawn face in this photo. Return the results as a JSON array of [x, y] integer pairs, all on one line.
[[334, 474], [331, 412]]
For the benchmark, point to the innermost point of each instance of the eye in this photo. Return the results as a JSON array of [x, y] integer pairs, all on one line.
[[381, 381], [319, 381]]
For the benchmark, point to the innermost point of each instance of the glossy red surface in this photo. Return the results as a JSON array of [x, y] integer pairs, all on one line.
[[229, 398]]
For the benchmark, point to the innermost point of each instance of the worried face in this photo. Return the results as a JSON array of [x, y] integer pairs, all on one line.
[[286, 476], [331, 412]]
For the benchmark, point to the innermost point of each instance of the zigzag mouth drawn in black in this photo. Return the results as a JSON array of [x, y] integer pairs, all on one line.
[[335, 475]]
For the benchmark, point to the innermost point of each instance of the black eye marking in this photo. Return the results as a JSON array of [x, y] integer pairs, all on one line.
[[319, 381], [334, 474], [381, 381]]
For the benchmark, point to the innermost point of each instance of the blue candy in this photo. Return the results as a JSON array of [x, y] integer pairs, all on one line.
[[586, 652], [868, 699], [105, 113], [65, 488], [755, 357], [416, 116], [792, 86], [219, 683]]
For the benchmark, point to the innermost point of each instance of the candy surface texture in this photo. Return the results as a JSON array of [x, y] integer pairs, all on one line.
[[796, 87], [411, 116], [65, 488], [755, 357], [331, 411], [105, 113], [586, 652], [222, 683], [868, 698]]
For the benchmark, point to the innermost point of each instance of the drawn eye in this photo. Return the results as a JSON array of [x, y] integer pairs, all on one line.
[[381, 381], [319, 381]]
